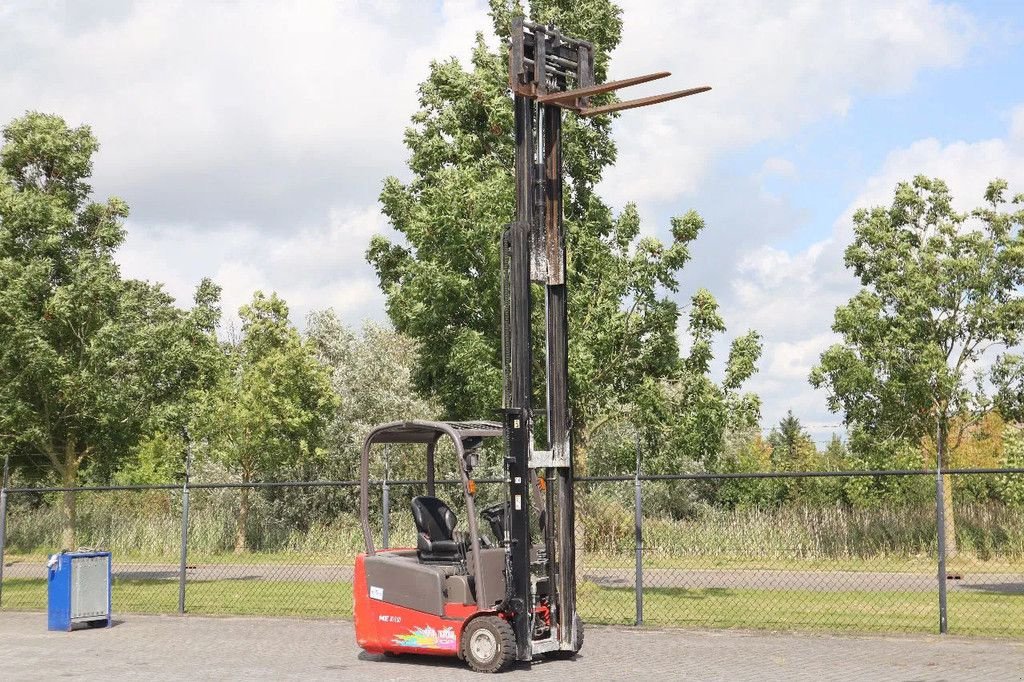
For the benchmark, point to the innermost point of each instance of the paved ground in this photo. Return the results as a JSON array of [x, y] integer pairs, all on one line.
[[764, 579], [170, 647]]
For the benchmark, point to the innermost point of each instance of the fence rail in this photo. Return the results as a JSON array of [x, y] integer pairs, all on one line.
[[650, 549]]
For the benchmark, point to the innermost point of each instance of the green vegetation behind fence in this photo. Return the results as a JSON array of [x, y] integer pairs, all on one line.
[[824, 567]]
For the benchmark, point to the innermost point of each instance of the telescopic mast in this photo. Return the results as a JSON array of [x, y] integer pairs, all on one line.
[[548, 72]]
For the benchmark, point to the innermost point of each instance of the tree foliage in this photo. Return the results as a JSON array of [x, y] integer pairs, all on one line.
[[792, 447], [272, 406], [1011, 486], [442, 278], [941, 289], [88, 361], [685, 416], [371, 373]]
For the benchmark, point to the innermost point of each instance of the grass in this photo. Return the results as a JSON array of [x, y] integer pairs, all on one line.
[[882, 564], [221, 558], [797, 610], [803, 610], [215, 597]]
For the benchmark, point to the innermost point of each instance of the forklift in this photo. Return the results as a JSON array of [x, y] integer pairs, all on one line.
[[511, 595]]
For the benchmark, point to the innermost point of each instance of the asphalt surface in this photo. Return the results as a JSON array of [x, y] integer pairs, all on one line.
[[764, 579], [173, 648]]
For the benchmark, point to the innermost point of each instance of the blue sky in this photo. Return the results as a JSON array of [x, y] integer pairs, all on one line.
[[232, 132], [969, 102], [937, 94]]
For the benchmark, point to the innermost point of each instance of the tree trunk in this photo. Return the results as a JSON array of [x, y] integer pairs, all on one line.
[[580, 445], [68, 509], [947, 490], [579, 456], [241, 543], [947, 505]]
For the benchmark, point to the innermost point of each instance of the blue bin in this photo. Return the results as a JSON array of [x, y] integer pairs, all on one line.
[[78, 590]]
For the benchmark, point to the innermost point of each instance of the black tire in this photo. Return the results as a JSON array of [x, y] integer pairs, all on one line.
[[488, 644], [563, 655]]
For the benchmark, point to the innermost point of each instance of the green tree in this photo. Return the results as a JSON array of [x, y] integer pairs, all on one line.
[[89, 361], [1011, 486], [940, 289], [442, 278], [688, 422], [371, 372], [745, 451], [792, 447], [685, 416], [836, 455], [158, 458], [273, 405], [1008, 378]]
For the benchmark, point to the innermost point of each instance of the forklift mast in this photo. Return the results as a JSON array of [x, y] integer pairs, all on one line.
[[548, 72]]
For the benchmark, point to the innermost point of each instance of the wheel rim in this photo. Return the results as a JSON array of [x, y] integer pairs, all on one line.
[[483, 645]]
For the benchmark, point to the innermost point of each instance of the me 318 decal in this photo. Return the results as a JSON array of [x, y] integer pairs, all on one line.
[[428, 638]]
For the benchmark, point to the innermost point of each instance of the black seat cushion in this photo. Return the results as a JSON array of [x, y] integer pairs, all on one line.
[[435, 523]]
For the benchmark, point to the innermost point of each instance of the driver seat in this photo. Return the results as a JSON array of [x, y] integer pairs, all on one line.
[[435, 525]]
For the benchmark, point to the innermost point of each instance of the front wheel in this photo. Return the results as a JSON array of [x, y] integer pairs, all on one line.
[[488, 644], [577, 626]]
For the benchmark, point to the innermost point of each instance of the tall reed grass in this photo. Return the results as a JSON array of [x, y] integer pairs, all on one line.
[[987, 531], [148, 525]]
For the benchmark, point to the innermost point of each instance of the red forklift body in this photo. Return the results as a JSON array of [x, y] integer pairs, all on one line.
[[389, 628], [420, 600]]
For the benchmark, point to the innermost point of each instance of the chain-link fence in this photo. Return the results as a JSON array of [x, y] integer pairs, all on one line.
[[814, 552]]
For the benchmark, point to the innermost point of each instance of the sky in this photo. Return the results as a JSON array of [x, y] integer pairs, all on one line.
[[250, 139]]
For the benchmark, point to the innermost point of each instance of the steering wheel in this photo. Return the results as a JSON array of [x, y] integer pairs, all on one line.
[[495, 516]]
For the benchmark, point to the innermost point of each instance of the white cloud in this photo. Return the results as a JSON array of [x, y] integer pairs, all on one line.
[[784, 292], [778, 167], [180, 86], [1017, 123], [249, 139], [239, 280], [316, 267], [773, 66], [791, 297], [791, 360]]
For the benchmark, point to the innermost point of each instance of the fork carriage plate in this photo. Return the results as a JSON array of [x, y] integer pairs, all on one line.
[[555, 69]]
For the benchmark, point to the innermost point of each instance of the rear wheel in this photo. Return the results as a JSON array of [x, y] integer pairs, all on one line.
[[488, 644]]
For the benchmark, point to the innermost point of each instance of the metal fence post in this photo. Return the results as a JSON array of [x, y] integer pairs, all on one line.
[[3, 523], [385, 529], [183, 565], [940, 528], [385, 526], [639, 530]]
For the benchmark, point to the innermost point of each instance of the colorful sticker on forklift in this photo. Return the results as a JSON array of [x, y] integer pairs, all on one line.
[[376, 592], [428, 638]]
